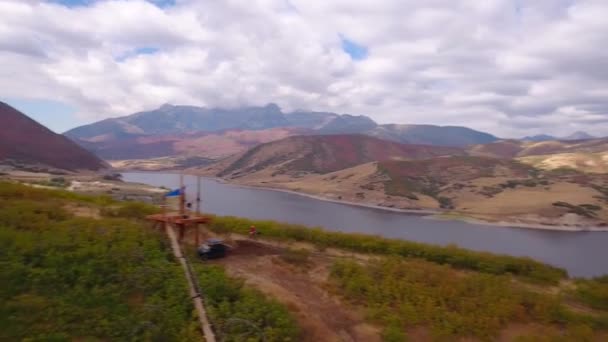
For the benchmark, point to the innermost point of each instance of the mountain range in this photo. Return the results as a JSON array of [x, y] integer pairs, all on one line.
[[387, 165], [216, 132], [23, 141]]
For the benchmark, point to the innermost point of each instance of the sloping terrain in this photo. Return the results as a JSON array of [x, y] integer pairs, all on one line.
[[584, 162], [85, 268], [24, 141], [325, 153], [353, 287], [489, 189], [430, 175], [517, 148], [502, 190]]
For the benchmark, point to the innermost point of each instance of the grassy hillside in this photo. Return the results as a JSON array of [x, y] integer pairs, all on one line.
[[421, 292], [431, 176], [502, 189], [84, 268], [454, 256]]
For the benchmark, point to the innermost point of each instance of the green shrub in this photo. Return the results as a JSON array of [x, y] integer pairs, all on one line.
[[297, 257], [134, 210], [586, 210], [445, 202], [399, 294], [16, 191], [97, 279], [243, 314], [65, 278], [593, 292], [450, 255]]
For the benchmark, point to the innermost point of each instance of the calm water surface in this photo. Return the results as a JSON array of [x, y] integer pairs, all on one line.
[[583, 254]]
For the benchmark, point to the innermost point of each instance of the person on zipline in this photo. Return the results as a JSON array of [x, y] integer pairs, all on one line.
[[253, 232]]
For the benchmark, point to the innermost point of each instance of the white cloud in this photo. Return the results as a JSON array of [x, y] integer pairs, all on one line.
[[512, 67]]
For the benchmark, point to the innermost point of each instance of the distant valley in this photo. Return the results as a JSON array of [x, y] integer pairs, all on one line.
[[470, 182], [453, 171]]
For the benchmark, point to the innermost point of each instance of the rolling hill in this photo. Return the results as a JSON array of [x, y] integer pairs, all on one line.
[[324, 153], [23, 141], [498, 190], [581, 161]]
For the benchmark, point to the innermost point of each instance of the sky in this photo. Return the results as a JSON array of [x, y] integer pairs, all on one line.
[[508, 67]]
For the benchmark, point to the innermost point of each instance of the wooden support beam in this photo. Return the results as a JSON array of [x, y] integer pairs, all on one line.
[[182, 196], [198, 196], [197, 237], [195, 294], [182, 230]]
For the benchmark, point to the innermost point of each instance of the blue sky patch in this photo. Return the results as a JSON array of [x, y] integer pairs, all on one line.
[[146, 50], [57, 116], [163, 3], [73, 3], [355, 51], [76, 3]]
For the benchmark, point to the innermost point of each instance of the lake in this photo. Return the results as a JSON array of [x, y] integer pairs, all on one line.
[[583, 254]]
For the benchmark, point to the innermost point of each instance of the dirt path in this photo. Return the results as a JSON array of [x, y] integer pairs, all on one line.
[[321, 316]]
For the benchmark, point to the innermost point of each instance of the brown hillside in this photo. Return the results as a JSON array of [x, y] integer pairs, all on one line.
[[457, 168], [25, 141], [327, 153], [430, 175]]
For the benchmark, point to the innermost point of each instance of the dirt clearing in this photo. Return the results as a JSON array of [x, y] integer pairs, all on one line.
[[321, 315]]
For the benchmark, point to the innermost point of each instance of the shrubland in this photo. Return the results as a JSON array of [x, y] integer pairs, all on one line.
[[452, 292], [240, 313], [593, 292], [483, 262], [403, 294], [70, 278], [110, 278]]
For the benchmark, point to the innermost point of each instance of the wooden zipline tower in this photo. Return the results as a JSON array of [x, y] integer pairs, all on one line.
[[185, 220]]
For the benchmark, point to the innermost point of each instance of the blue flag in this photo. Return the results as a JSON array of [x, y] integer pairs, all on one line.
[[174, 193]]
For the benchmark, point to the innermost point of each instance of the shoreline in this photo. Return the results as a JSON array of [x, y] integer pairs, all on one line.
[[506, 224], [425, 213], [417, 212]]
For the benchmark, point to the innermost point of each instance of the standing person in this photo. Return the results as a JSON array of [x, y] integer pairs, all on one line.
[[252, 232]]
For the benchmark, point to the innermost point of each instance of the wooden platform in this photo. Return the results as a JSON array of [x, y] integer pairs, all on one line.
[[181, 222], [176, 218]]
